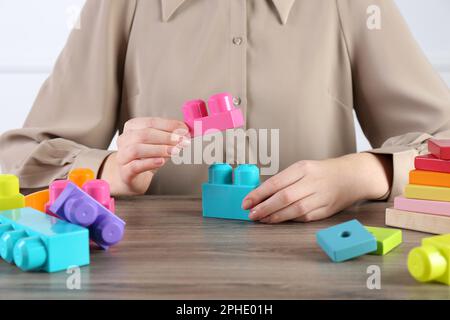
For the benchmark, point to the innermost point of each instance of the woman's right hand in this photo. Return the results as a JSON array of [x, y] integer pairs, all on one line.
[[144, 146]]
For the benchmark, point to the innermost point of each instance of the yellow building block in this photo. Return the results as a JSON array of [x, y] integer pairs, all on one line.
[[38, 200], [10, 197], [415, 191], [430, 262]]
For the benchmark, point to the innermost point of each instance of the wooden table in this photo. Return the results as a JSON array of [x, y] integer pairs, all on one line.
[[170, 251]]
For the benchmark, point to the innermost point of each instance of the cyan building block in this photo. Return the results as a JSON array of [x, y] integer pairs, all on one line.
[[222, 195], [76, 206], [35, 241], [346, 241]]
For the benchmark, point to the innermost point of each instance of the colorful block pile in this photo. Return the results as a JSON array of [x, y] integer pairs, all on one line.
[[425, 205], [49, 230]]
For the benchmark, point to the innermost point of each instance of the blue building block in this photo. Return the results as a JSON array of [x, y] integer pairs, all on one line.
[[346, 241], [76, 206], [35, 241], [222, 197]]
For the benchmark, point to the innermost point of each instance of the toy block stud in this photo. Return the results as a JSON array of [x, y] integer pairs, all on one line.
[[431, 163], [439, 148], [100, 191], [36, 242], [38, 200], [346, 241], [387, 239], [80, 176], [221, 197], [430, 262], [10, 197], [76, 206], [222, 115]]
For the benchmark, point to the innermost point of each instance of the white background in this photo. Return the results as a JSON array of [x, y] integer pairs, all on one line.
[[32, 33]]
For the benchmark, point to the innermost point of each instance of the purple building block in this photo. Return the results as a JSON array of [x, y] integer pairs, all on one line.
[[76, 206]]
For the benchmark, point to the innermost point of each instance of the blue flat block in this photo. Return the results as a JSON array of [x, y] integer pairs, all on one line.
[[35, 241], [222, 197], [346, 241]]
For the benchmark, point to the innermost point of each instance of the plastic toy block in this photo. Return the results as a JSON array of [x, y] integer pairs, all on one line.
[[415, 191], [76, 206], [35, 241], [431, 261], [429, 178], [431, 163], [38, 200], [387, 239], [80, 176], [222, 197], [222, 115], [55, 189], [10, 197], [99, 190], [417, 221], [346, 241], [439, 148], [441, 208]]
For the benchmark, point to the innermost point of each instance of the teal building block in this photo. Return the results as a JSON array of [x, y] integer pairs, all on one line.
[[346, 241], [35, 241], [222, 195]]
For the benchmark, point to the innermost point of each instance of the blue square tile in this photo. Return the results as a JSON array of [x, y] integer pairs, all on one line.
[[346, 241]]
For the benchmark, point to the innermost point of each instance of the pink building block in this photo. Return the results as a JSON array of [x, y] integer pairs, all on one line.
[[55, 189], [222, 115], [440, 208], [97, 189], [439, 148]]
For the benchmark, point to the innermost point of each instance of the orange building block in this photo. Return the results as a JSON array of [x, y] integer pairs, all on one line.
[[80, 176], [429, 178], [37, 200]]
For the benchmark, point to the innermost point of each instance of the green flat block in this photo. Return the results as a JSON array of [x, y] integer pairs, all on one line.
[[387, 239]]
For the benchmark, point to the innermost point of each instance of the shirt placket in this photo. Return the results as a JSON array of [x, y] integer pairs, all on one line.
[[238, 54]]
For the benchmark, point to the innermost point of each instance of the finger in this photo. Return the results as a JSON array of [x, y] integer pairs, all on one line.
[[297, 191], [318, 214], [151, 136], [296, 210], [143, 151], [136, 167], [168, 125], [273, 185]]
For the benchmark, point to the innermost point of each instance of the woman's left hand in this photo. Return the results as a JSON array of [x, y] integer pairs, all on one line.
[[314, 190]]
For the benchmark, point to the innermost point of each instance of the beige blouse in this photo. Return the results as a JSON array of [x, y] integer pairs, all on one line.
[[301, 66]]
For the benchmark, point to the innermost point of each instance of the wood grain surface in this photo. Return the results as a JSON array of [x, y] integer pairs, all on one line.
[[171, 252]]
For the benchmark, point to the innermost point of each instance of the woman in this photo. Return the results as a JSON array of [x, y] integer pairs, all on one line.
[[298, 65]]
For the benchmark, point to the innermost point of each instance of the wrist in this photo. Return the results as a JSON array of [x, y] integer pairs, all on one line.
[[371, 175]]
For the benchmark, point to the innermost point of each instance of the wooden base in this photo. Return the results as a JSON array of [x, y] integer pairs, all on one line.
[[417, 221]]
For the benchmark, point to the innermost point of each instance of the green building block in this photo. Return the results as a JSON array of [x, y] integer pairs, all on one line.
[[387, 239], [10, 197], [431, 261]]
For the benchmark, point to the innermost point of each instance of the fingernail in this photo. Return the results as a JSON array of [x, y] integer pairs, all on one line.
[[247, 204], [173, 150], [159, 161], [175, 137], [184, 142], [252, 214], [182, 132]]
